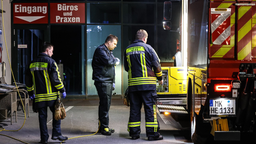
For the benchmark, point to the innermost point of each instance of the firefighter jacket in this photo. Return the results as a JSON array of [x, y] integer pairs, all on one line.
[[43, 79], [103, 64], [143, 66]]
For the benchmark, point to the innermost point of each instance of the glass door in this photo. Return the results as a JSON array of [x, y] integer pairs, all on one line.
[[26, 47], [96, 35]]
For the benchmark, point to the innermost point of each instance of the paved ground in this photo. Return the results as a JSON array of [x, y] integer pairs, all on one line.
[[81, 122]]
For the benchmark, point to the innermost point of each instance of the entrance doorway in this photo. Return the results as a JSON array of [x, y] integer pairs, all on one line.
[[67, 41], [26, 48]]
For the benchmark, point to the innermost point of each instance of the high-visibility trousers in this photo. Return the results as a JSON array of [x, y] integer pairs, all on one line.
[[148, 99]]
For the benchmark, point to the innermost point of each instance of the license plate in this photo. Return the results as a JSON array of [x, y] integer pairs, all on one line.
[[222, 106]]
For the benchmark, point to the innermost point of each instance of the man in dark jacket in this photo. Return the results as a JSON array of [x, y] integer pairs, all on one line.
[[103, 65], [144, 69], [44, 84]]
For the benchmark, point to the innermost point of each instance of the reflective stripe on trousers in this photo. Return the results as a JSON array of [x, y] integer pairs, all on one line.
[[148, 98]]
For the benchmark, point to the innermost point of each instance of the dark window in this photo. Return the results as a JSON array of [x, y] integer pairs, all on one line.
[[130, 32], [73, 1], [166, 44], [169, 0], [160, 13], [139, 13], [139, 0], [103, 13], [104, 0], [67, 49], [29, 0]]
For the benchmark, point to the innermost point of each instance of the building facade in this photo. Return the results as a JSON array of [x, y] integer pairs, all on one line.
[[77, 28]]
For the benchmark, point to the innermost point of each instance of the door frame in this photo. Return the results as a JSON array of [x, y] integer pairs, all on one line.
[[14, 43]]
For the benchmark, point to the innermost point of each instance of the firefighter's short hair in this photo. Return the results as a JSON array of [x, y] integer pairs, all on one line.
[[45, 46], [141, 34], [111, 38]]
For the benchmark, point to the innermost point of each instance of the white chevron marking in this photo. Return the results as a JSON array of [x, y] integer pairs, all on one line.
[[29, 18]]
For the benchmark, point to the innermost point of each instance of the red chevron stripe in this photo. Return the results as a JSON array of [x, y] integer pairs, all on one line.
[[253, 32], [230, 53], [244, 19], [248, 57], [222, 27], [226, 42], [244, 41], [248, 37], [254, 48], [213, 49], [214, 17]]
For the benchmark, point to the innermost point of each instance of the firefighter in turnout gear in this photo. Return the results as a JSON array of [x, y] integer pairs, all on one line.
[[144, 69], [44, 84]]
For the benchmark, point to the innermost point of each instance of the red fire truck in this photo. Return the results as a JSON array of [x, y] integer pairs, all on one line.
[[218, 45]]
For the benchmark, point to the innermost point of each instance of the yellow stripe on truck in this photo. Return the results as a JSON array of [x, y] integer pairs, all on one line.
[[244, 52], [225, 5], [243, 10], [224, 49], [244, 30], [254, 42]]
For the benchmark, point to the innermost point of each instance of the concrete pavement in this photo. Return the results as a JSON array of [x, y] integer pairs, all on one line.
[[81, 124]]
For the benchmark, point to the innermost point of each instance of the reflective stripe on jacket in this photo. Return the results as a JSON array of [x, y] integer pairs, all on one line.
[[143, 66], [43, 79]]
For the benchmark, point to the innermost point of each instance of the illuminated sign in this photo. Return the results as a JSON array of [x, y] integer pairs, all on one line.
[[67, 12], [30, 13]]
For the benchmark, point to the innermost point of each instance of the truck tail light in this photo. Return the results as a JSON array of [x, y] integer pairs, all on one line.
[[222, 87], [166, 113]]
